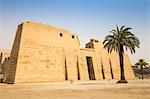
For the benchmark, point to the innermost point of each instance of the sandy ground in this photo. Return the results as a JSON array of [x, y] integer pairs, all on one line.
[[136, 89]]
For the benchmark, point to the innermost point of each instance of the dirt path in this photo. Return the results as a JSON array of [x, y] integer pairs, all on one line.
[[76, 91]]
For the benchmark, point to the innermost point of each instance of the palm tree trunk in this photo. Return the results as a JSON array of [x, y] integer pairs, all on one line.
[[142, 72], [122, 77]]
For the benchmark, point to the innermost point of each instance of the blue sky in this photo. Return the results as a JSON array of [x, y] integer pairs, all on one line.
[[86, 18]]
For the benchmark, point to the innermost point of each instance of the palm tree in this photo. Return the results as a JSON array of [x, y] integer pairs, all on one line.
[[142, 64], [121, 38]]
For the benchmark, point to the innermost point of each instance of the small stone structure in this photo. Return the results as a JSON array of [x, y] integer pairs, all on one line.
[[4, 56], [42, 53]]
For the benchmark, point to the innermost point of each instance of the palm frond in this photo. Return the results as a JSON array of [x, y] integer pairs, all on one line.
[[121, 36], [127, 29], [122, 28]]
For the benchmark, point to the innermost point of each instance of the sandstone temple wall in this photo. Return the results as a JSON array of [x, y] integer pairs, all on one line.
[[42, 53]]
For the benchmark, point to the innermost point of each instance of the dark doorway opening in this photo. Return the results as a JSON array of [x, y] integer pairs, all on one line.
[[90, 68]]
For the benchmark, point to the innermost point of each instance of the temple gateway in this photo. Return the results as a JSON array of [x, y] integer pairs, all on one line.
[[42, 53]]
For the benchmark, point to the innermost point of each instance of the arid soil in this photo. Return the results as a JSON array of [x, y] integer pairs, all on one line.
[[77, 90]]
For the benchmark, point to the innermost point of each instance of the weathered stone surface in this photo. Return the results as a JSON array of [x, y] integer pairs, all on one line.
[[42, 53]]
